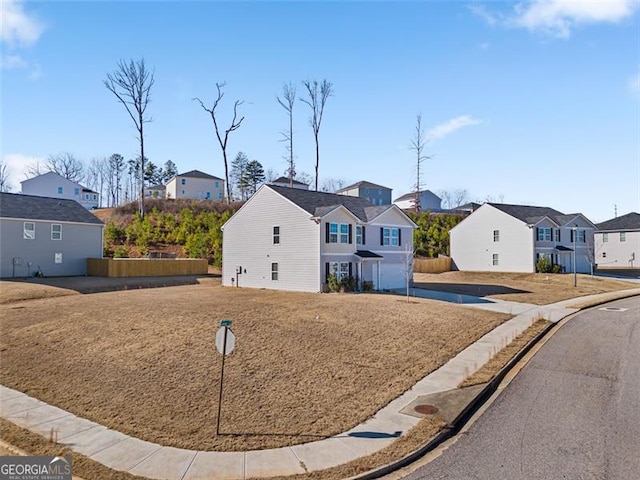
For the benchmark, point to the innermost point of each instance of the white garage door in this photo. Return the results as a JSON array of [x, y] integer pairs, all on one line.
[[392, 276]]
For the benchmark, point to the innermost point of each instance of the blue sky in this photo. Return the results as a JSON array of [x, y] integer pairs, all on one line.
[[533, 102]]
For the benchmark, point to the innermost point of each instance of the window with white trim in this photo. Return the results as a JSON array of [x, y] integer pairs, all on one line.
[[59, 190], [276, 235], [544, 234], [183, 181], [390, 236], [274, 272], [339, 269], [582, 236], [29, 232], [605, 237], [56, 231], [623, 236], [496, 235], [495, 259], [344, 233], [359, 235], [333, 233], [556, 234]]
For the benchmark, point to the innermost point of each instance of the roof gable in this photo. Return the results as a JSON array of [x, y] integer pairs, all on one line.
[[412, 195], [362, 184], [31, 207]]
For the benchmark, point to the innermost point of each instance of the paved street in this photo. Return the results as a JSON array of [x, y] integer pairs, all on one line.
[[572, 413]]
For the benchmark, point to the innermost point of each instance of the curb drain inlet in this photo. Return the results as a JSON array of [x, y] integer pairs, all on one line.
[[426, 409]]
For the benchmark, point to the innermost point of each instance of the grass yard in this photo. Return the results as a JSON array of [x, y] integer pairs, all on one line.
[[535, 288], [306, 366]]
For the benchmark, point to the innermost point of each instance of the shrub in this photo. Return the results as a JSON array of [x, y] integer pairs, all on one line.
[[121, 252], [367, 286], [543, 265], [333, 283], [556, 269]]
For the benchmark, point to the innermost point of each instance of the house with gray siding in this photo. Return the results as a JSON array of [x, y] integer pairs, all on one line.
[[427, 200], [53, 236], [51, 184], [291, 239], [617, 242], [499, 237], [376, 194]]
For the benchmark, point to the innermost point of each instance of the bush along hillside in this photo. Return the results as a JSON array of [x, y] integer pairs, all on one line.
[[431, 238], [181, 228]]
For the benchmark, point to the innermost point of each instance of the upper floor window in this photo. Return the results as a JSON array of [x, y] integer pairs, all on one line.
[[56, 231], [360, 235], [95, 197], [217, 184], [496, 235], [276, 235], [623, 236], [366, 192], [344, 233], [379, 191], [544, 234], [338, 233], [557, 235], [59, 190], [605, 237], [333, 233], [581, 236], [76, 191], [183, 181], [495, 259], [390, 236], [29, 231]]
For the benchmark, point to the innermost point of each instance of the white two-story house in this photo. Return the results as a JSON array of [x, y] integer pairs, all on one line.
[[52, 185], [617, 242], [195, 185], [291, 239], [511, 238]]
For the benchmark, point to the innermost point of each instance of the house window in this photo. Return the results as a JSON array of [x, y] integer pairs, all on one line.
[[623, 236], [333, 233], [495, 259], [391, 236], [220, 195], [496, 235], [359, 240], [29, 232], [339, 269], [59, 190], [217, 185], [276, 235], [86, 196], [604, 254], [557, 235], [56, 231], [208, 195], [274, 272], [95, 197], [183, 181], [344, 233], [605, 237], [182, 192], [544, 234], [581, 236], [76, 191]]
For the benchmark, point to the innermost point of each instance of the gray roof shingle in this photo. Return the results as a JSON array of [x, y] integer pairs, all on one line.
[[532, 215], [362, 184], [31, 207], [412, 195], [630, 221], [286, 180], [198, 174], [321, 203]]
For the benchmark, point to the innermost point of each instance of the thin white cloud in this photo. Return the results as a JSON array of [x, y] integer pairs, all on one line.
[[634, 85], [451, 126], [18, 167], [10, 62], [559, 17], [18, 27]]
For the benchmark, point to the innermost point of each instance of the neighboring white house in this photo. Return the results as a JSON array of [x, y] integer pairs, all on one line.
[[428, 201], [617, 242], [195, 185], [155, 191], [376, 194], [511, 238], [51, 184], [291, 239], [284, 182]]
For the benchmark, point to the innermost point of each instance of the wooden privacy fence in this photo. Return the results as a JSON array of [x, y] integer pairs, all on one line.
[[145, 267], [432, 265]]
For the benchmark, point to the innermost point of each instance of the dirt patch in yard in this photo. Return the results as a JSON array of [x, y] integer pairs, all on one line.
[[306, 366], [534, 288]]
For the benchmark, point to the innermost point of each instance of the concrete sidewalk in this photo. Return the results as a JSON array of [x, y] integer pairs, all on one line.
[[121, 452]]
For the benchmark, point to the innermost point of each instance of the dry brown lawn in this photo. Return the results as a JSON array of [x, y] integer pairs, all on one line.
[[306, 366], [535, 288]]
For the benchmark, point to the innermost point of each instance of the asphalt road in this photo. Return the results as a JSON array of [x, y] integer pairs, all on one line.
[[573, 412]]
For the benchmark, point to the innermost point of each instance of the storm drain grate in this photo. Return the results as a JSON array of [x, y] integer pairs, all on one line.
[[613, 309], [426, 409]]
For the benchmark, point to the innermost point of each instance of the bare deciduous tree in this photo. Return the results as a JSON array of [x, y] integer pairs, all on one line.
[[289, 99], [453, 198], [34, 170], [235, 124], [318, 94], [418, 144], [98, 177], [332, 185], [131, 83], [66, 165], [5, 186]]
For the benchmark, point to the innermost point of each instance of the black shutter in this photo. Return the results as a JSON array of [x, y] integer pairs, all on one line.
[[326, 238], [364, 240], [326, 272], [399, 236], [350, 233], [350, 269], [559, 234], [381, 236], [537, 233], [571, 236]]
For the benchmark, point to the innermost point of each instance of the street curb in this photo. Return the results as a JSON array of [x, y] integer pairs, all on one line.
[[461, 420]]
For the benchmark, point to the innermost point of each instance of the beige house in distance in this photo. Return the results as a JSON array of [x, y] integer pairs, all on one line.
[[195, 185]]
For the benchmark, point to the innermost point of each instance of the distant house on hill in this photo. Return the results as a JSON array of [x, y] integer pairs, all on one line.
[[284, 182], [52, 235], [428, 201], [195, 185], [155, 191], [371, 192], [617, 242], [51, 184], [512, 238]]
